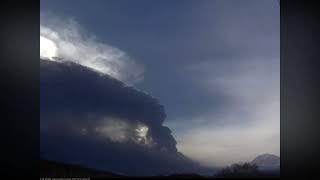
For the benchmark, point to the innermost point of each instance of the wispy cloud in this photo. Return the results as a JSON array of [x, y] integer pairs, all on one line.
[[67, 39]]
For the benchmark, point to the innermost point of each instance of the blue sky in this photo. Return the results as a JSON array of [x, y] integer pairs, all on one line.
[[213, 64]]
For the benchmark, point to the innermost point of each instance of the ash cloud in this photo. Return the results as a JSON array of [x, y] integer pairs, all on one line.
[[91, 115], [95, 120]]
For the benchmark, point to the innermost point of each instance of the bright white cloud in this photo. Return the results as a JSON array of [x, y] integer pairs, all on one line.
[[66, 39], [48, 48]]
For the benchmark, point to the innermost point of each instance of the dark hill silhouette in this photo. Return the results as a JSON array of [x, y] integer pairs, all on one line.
[[54, 169], [59, 169], [245, 170]]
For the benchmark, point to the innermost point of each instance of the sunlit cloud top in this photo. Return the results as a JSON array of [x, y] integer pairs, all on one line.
[[48, 48], [66, 40]]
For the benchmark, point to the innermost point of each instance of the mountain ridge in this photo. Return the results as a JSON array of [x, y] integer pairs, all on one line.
[[267, 161]]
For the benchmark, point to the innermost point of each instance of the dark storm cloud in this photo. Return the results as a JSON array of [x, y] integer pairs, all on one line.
[[98, 121], [74, 96]]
